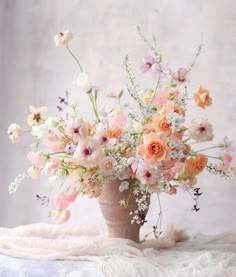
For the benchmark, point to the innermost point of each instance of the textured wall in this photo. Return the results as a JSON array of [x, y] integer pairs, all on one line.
[[33, 71]]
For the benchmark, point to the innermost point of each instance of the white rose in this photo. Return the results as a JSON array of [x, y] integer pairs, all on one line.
[[63, 38], [83, 82], [14, 131]]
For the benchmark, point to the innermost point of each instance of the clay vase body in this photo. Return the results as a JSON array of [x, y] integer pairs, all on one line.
[[117, 217]]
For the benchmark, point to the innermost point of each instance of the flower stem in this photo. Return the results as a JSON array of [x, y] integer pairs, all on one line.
[[94, 106], [212, 147], [156, 88], [74, 58]]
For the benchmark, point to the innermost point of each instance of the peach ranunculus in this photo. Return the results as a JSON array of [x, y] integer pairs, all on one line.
[[160, 122], [202, 97], [114, 132], [194, 166], [154, 147]]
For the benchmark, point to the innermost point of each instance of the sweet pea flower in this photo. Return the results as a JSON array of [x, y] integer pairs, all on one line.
[[60, 216], [181, 75], [63, 38], [83, 82], [34, 172], [229, 145], [54, 163], [72, 194], [227, 159], [36, 158], [14, 131], [37, 115], [201, 130], [61, 201], [53, 142]]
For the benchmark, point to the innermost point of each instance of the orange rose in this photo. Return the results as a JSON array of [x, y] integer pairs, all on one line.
[[114, 132], [194, 166], [154, 148], [161, 123], [202, 97]]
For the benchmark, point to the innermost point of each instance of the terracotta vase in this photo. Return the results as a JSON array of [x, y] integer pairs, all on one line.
[[117, 217]]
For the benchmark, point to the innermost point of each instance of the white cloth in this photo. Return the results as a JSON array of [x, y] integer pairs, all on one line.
[[199, 256]]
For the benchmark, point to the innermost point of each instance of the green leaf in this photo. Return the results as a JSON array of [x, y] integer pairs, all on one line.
[[121, 93]]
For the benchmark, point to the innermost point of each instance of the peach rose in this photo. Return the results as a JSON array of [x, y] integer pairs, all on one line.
[[194, 166], [148, 128], [114, 132], [154, 147], [161, 123], [202, 97]]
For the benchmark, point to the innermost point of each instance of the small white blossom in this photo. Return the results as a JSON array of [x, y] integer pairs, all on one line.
[[14, 131], [63, 38], [83, 82]]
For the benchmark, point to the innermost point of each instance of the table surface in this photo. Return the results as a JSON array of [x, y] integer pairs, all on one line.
[[14, 267]]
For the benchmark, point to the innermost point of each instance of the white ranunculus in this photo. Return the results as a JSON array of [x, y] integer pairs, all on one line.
[[63, 38], [83, 82], [14, 131]]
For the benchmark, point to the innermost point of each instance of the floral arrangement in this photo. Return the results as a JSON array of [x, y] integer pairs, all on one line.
[[147, 140]]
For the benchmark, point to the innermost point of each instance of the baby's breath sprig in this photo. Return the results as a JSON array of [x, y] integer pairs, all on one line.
[[132, 90], [199, 50], [153, 48]]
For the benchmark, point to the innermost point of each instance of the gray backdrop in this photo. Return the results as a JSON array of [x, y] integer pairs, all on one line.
[[33, 71]]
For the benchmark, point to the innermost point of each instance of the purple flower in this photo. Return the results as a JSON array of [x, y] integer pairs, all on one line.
[[70, 148], [161, 70], [228, 145], [147, 64], [181, 75]]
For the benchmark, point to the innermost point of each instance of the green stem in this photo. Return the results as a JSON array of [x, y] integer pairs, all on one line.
[[212, 147], [155, 91], [94, 106], [74, 58]]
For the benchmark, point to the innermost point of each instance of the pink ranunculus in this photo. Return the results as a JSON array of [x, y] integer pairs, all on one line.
[[60, 216], [36, 158], [60, 201], [53, 142], [227, 159], [34, 172]]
